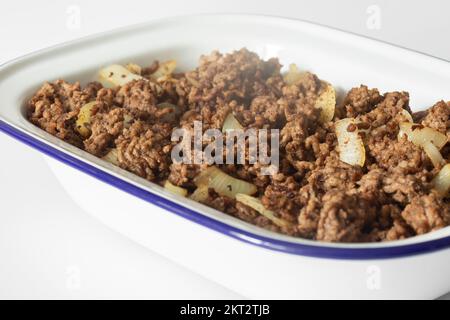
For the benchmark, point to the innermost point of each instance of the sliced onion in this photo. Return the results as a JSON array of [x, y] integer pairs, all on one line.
[[84, 119], [164, 70], [435, 137], [430, 140], [420, 135], [200, 194], [442, 180], [223, 184], [231, 123], [407, 115], [175, 189], [257, 205], [433, 153], [327, 103], [134, 68], [112, 157], [350, 144], [294, 75], [116, 75]]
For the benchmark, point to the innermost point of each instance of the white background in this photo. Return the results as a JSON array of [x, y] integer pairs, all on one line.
[[50, 248]]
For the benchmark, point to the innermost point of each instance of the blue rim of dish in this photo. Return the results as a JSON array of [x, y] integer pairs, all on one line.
[[236, 233]]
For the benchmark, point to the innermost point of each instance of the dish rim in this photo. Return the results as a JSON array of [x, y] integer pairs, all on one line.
[[318, 250]]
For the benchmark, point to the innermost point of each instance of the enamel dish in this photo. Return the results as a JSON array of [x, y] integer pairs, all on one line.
[[251, 261]]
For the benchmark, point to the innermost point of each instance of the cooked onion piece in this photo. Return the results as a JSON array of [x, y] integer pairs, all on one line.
[[200, 194], [407, 116], [116, 75], [350, 144], [433, 153], [327, 103], [430, 140], [294, 75], [442, 180], [257, 205], [419, 134], [134, 68], [112, 157], [175, 189], [434, 136], [164, 70], [231, 123], [84, 119], [223, 184]]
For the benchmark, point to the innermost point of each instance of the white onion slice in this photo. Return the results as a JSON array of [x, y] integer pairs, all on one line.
[[112, 157], [200, 194], [294, 75], [433, 153], [231, 123], [223, 184], [175, 189], [407, 115], [327, 103], [442, 180], [134, 68], [350, 144], [164, 70], [420, 135], [257, 205], [84, 118], [116, 75], [430, 140]]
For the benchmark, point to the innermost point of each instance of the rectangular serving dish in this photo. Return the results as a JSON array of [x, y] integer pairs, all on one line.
[[252, 261]]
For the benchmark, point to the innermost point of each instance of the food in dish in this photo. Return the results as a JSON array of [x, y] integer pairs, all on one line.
[[364, 169]]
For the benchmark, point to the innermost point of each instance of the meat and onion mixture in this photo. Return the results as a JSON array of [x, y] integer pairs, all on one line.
[[358, 168]]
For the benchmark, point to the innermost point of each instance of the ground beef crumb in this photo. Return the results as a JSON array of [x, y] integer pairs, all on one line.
[[344, 217], [140, 98], [403, 155], [402, 187], [426, 213], [438, 117], [145, 150], [183, 174], [359, 101], [335, 174], [105, 128]]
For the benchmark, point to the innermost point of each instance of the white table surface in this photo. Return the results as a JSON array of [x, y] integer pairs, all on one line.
[[49, 247]]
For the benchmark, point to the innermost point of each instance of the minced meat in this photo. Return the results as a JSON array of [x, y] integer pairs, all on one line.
[[317, 195]]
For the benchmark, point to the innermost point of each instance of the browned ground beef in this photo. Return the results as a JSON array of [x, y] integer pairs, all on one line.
[[320, 196]]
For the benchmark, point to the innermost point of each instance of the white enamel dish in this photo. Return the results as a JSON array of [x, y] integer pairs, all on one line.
[[251, 261]]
